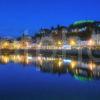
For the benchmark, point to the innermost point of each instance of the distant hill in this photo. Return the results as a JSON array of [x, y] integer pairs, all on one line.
[[83, 29]]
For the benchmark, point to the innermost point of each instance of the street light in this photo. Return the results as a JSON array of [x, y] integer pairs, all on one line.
[[72, 42]]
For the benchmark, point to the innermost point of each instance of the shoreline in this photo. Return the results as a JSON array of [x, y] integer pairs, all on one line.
[[74, 52]]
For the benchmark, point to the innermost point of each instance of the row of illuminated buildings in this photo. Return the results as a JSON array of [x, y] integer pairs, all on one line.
[[79, 34], [22, 42]]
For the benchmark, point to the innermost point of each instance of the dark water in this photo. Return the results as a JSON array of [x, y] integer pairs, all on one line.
[[30, 77]]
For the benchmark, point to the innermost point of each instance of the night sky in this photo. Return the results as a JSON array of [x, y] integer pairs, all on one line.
[[17, 16]]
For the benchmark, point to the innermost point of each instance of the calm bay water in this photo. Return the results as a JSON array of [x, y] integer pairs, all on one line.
[[29, 77]]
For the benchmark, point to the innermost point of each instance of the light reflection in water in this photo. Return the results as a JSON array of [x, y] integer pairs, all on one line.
[[82, 70]]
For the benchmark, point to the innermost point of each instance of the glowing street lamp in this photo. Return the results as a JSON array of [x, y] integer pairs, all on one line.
[[91, 42], [72, 42], [59, 43]]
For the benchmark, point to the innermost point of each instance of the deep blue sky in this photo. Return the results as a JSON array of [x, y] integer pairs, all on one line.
[[19, 15]]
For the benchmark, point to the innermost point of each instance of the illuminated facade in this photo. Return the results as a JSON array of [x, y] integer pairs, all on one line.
[[80, 34]]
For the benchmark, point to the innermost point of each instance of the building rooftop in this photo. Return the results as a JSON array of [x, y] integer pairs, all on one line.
[[83, 21]]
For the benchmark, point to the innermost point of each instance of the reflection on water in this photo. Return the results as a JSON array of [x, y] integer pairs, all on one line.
[[81, 70]]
